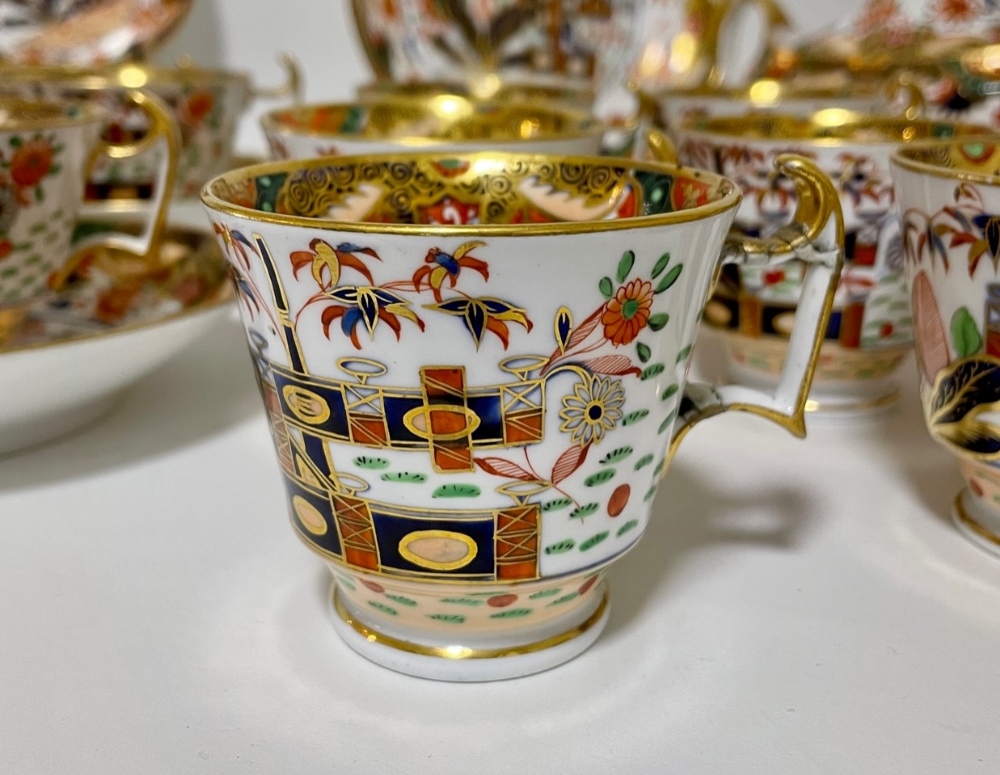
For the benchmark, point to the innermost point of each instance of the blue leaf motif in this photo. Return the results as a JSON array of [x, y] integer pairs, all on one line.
[[475, 320], [962, 393], [348, 294], [454, 306], [368, 304]]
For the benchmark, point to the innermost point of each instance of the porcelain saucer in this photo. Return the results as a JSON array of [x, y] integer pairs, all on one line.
[[67, 358]]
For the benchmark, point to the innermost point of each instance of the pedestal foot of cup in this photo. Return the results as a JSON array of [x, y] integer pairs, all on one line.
[[964, 515], [563, 640]]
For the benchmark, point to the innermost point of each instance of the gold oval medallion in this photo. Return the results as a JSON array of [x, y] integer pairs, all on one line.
[[438, 549]]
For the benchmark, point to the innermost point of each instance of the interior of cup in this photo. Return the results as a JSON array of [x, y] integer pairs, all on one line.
[[482, 188], [978, 160], [835, 124], [488, 88], [444, 117]]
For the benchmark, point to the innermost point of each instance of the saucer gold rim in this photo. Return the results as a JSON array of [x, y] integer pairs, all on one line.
[[222, 296]]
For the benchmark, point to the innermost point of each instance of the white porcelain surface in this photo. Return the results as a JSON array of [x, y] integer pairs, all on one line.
[[767, 617]]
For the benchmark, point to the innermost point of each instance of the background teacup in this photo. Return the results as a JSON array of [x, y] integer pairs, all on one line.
[[487, 88], [441, 122], [472, 419], [870, 330], [949, 199], [205, 104], [47, 149], [679, 106]]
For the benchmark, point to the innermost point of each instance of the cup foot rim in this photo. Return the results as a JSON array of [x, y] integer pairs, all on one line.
[[970, 528], [460, 664], [827, 406]]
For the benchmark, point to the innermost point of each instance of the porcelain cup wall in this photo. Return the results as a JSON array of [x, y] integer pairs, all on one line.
[[443, 122], [472, 419], [487, 87], [870, 332], [949, 198], [46, 151], [205, 105], [678, 107]]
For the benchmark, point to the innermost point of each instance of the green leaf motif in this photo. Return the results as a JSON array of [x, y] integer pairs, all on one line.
[[625, 265], [449, 618], [371, 463], [616, 455], [632, 524], [545, 593], [584, 511], [607, 287], [652, 371], [560, 548], [669, 279], [670, 392], [683, 354], [557, 504], [667, 422], [593, 541], [644, 461], [660, 265], [634, 417], [461, 601], [383, 608], [404, 476], [644, 352], [964, 334], [511, 613], [457, 491], [600, 477], [564, 599], [409, 603], [658, 321]]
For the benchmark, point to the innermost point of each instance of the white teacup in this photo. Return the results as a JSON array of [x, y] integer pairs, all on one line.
[[47, 149]]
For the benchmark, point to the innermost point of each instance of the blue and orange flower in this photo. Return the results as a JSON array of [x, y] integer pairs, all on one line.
[[367, 305], [440, 267]]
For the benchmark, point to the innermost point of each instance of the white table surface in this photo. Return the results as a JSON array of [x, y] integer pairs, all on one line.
[[795, 607]]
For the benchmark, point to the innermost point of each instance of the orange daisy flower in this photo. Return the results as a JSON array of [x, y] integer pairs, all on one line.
[[31, 162], [627, 312]]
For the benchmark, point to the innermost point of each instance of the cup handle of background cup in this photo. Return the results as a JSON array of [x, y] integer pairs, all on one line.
[[816, 237], [720, 16], [292, 87], [905, 90], [145, 245]]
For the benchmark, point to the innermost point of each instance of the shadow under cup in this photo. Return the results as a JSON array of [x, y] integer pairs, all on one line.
[[472, 366], [949, 200]]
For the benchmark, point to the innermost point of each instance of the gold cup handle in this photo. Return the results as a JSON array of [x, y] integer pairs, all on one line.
[[660, 147], [815, 237], [146, 245], [907, 92], [292, 87]]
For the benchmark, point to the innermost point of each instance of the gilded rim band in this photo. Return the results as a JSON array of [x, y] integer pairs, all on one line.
[[462, 652], [577, 123], [728, 200], [907, 158], [963, 516]]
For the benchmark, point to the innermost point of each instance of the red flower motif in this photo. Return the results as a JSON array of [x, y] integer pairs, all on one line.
[[958, 10], [197, 107], [627, 313], [31, 162]]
